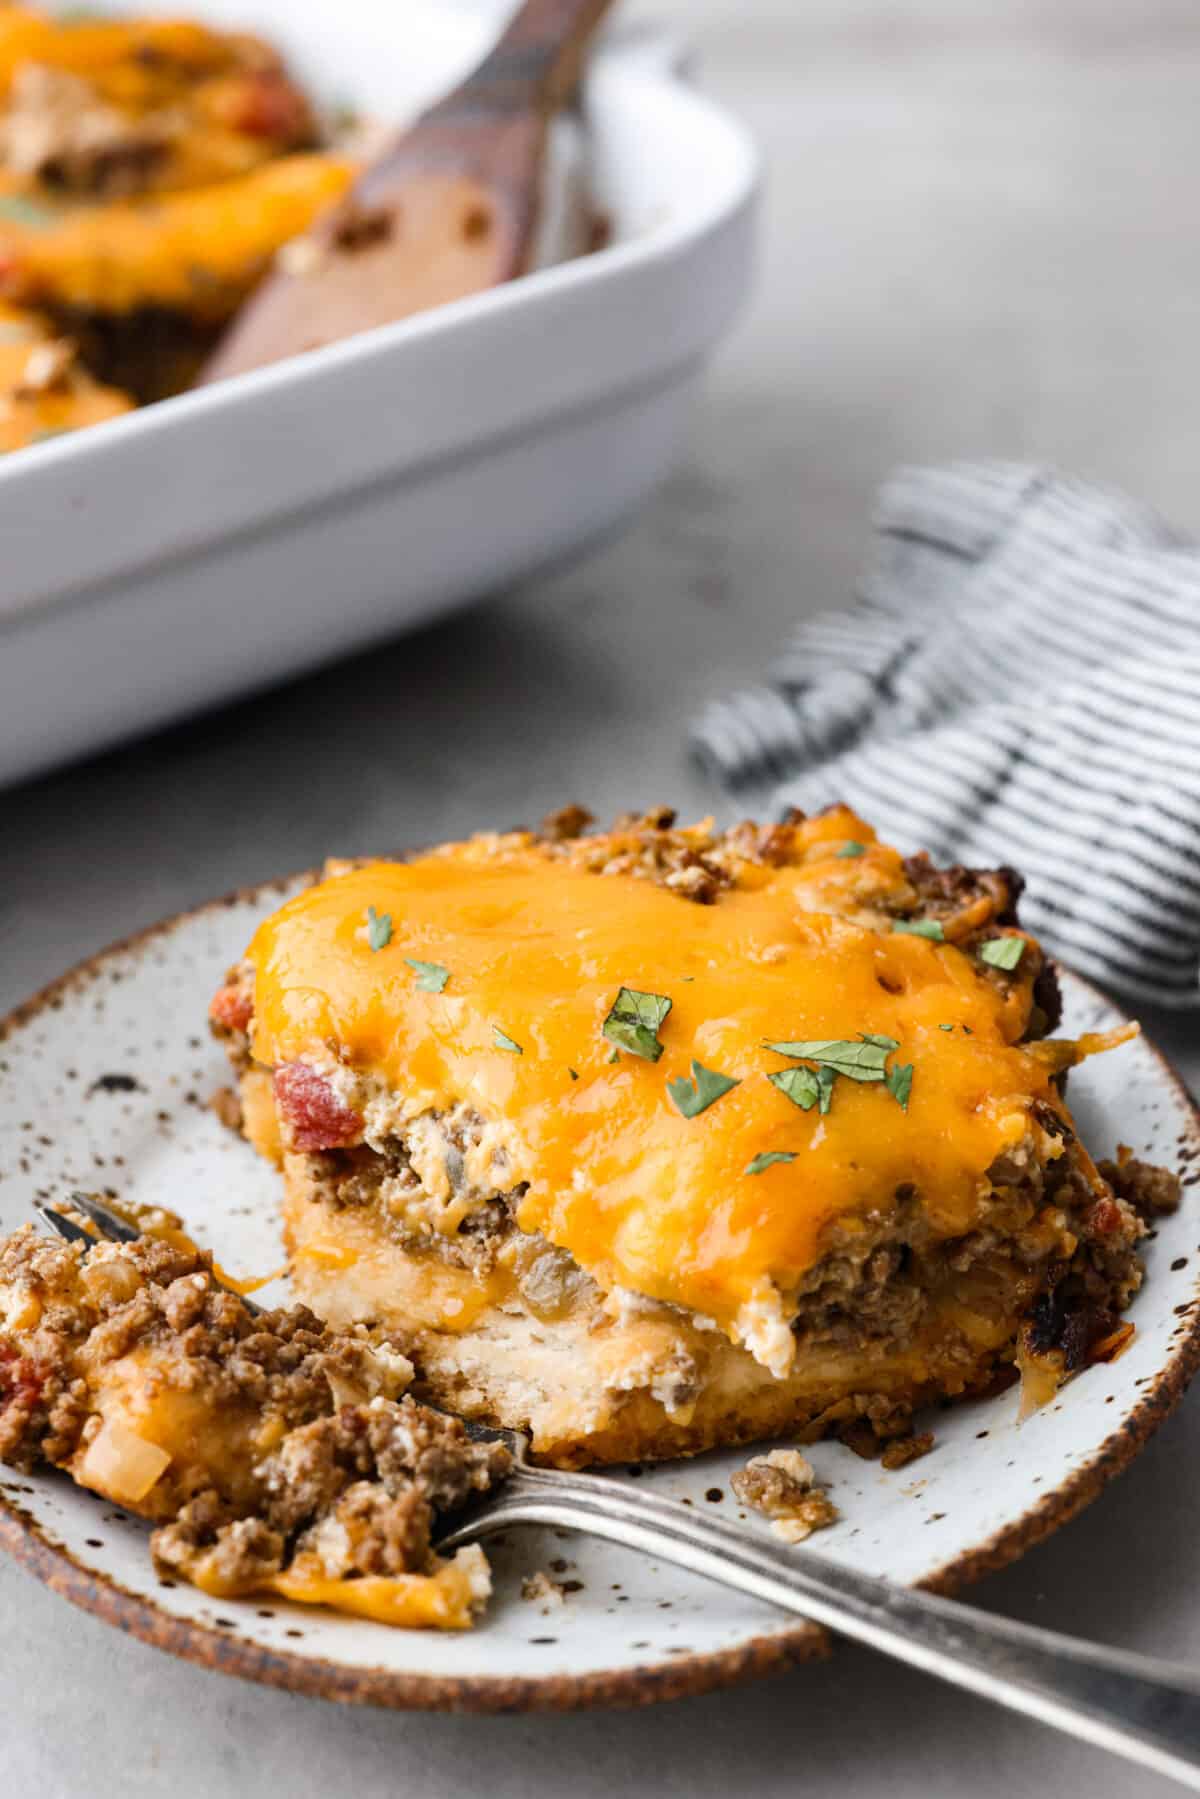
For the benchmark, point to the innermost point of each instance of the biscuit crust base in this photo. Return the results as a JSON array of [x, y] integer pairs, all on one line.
[[589, 1387]]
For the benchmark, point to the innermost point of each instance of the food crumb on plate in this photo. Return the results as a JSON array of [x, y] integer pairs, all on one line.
[[541, 1590], [784, 1488], [907, 1449]]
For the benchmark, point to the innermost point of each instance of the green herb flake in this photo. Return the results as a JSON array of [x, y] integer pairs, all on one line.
[[800, 1085], [572, 1074], [899, 1084], [945, 1027], [614, 1055], [696, 1095], [503, 1041], [25, 212], [862, 1061], [379, 928], [759, 1163], [851, 849], [920, 927], [634, 1021], [1002, 952], [431, 976]]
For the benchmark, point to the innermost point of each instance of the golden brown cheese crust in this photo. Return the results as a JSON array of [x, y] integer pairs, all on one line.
[[417, 1217]]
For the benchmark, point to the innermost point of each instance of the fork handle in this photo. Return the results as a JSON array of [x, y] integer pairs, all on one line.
[[1145, 1710]]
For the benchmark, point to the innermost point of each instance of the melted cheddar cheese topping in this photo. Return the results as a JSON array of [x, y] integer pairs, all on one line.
[[195, 252], [537, 948]]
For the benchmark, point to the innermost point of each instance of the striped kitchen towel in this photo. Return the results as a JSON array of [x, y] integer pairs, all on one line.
[[1019, 681]]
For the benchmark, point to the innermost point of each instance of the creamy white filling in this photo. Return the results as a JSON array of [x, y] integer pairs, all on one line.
[[764, 1328]]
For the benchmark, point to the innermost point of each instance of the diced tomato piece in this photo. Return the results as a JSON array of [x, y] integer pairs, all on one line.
[[232, 1008], [1105, 1218], [267, 105], [315, 1115], [21, 1380]]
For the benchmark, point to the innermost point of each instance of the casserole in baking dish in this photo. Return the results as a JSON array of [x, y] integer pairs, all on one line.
[[225, 538]]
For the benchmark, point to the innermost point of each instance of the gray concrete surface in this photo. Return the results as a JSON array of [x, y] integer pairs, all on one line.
[[980, 239]]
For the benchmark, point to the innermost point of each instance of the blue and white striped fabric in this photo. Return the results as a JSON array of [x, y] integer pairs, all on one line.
[[1019, 681]]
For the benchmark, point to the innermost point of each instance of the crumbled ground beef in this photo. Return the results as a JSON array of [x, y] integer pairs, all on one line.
[[302, 1444], [358, 1489], [907, 1449], [1152, 1192], [782, 1486]]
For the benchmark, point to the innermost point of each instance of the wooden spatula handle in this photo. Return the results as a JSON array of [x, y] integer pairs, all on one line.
[[536, 61], [448, 209]]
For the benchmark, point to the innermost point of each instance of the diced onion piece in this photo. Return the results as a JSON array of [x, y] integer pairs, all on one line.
[[122, 1464], [22, 1309], [1041, 1377]]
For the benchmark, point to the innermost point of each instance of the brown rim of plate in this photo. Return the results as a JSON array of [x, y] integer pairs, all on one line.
[[22, 1537]]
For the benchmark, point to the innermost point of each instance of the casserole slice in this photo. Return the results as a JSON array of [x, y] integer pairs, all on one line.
[[658, 1138]]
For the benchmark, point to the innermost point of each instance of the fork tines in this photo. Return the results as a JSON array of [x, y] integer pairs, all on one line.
[[109, 1223], [64, 1227]]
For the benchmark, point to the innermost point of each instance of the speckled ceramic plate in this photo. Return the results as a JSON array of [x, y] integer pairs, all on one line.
[[104, 1079]]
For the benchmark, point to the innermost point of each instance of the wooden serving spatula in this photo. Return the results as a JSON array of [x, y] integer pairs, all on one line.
[[449, 208]]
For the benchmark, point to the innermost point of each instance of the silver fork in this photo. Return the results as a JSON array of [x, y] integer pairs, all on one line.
[[1143, 1709]]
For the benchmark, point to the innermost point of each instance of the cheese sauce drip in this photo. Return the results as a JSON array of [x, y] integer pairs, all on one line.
[[644, 1198]]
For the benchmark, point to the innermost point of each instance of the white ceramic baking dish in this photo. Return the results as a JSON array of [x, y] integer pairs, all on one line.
[[219, 541]]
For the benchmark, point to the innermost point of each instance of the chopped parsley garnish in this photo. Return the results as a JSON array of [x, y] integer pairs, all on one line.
[[634, 1021], [503, 1041], [699, 1093], [25, 212], [1002, 952], [806, 1087], [379, 928], [572, 1074], [945, 1027], [862, 1061], [758, 1163], [920, 927], [865, 1060], [431, 976], [851, 848], [899, 1084]]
